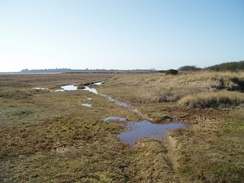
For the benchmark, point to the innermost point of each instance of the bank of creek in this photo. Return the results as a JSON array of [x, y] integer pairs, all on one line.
[[134, 130]]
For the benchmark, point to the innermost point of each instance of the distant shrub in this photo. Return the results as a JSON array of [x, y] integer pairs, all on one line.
[[171, 72], [189, 68]]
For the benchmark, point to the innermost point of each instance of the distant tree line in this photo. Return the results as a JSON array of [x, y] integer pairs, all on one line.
[[45, 70], [230, 66], [189, 68], [65, 70]]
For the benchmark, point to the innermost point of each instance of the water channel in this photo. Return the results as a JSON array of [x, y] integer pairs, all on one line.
[[134, 130]]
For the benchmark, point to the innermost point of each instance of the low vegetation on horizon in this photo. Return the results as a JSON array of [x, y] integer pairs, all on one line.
[[49, 136], [230, 66]]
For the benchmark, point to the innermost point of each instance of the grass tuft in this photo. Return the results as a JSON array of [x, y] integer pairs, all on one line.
[[220, 99]]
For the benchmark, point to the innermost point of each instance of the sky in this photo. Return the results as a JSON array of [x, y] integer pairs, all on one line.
[[119, 34]]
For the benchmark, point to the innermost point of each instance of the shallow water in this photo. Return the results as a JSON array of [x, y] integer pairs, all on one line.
[[98, 83], [86, 105], [93, 90], [69, 87], [39, 88], [113, 118], [145, 129], [120, 103], [134, 130]]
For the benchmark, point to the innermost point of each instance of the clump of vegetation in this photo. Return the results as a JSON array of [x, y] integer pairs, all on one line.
[[189, 68], [81, 86], [216, 99], [230, 66], [166, 94], [171, 72]]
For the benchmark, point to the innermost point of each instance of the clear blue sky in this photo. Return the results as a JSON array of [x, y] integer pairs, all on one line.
[[119, 34]]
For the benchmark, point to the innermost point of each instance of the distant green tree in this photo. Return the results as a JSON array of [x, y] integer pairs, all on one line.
[[171, 72], [189, 68]]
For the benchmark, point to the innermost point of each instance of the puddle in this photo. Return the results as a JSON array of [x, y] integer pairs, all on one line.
[[145, 129], [113, 118], [39, 88], [93, 90], [86, 105], [67, 88], [98, 83], [120, 103], [134, 130], [73, 87]]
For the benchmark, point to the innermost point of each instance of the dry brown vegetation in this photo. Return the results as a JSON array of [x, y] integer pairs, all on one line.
[[48, 136], [218, 99]]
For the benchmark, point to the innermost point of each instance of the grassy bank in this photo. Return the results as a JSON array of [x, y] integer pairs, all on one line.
[[49, 136]]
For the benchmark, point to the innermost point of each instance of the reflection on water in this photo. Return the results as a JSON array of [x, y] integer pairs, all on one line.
[[98, 83], [86, 105], [113, 118], [145, 129], [39, 88], [69, 87], [93, 90], [120, 103]]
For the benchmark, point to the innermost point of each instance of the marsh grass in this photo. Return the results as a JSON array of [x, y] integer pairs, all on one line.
[[210, 151], [208, 155], [160, 88], [15, 94], [218, 99], [166, 94], [48, 136], [151, 163]]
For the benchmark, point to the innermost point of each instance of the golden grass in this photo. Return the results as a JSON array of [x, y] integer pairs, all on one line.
[[207, 153], [157, 87], [214, 99], [166, 94]]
